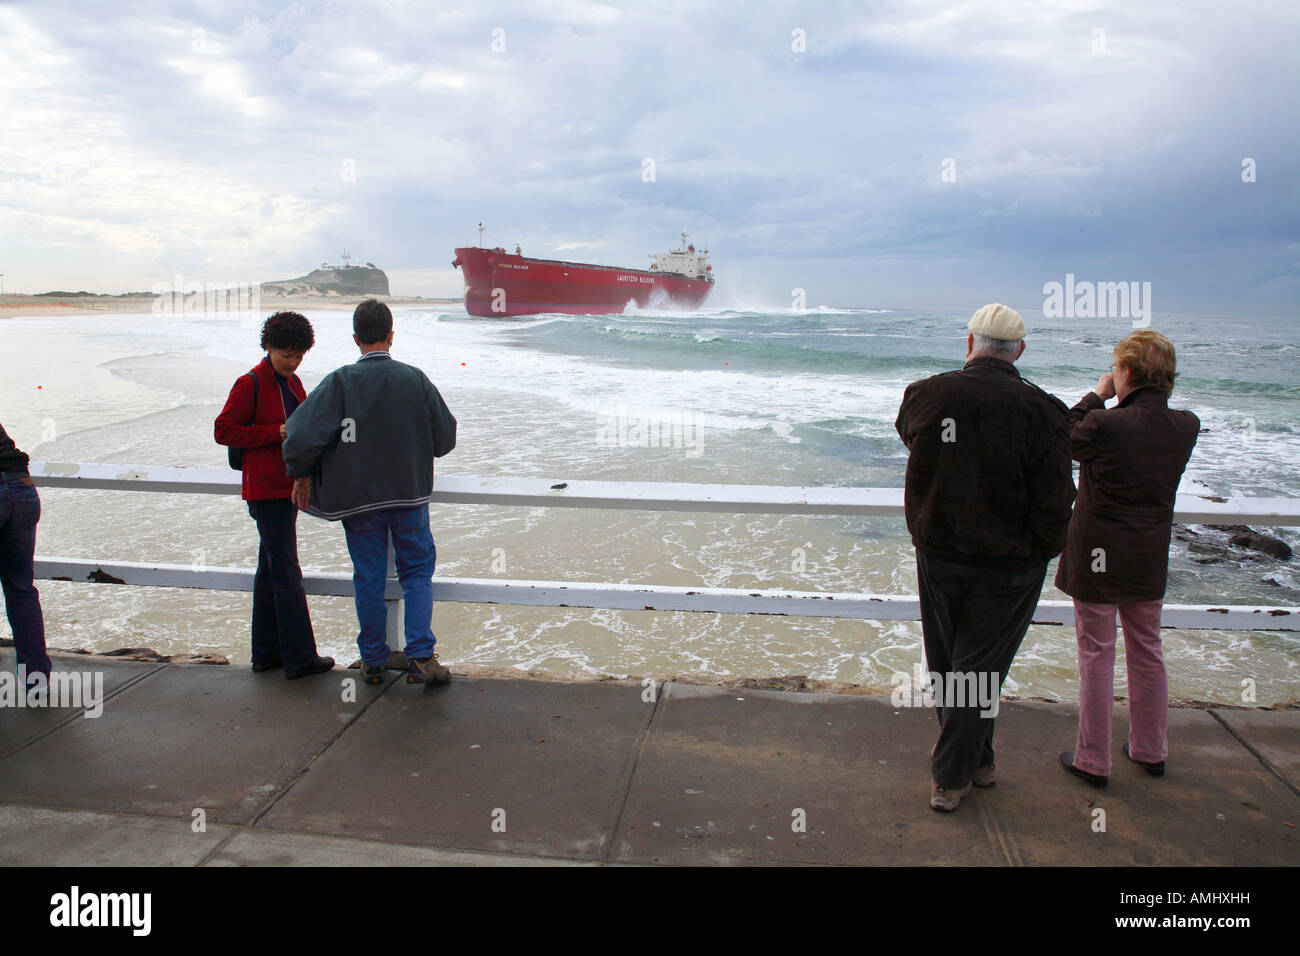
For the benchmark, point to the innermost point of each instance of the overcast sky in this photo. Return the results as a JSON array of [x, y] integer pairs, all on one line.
[[246, 141]]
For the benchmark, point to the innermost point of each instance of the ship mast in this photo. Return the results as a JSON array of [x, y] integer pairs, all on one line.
[[480, 235]]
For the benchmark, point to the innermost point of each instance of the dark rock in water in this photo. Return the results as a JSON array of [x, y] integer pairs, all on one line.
[[1273, 581], [135, 654], [145, 654], [1239, 536], [149, 655], [1207, 560], [198, 659], [1263, 543]]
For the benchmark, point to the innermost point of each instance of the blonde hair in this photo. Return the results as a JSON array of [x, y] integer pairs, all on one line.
[[1148, 357]]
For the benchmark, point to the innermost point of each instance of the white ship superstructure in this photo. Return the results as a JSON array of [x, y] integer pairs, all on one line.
[[684, 261]]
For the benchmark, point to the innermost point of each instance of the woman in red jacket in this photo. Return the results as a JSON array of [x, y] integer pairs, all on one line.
[[1116, 559], [253, 419]]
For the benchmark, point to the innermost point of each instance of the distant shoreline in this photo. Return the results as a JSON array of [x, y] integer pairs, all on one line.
[[42, 305]]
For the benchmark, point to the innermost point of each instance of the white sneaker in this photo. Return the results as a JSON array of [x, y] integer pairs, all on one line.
[[946, 800]]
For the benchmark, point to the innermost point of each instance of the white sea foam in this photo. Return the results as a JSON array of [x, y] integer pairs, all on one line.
[[143, 390]]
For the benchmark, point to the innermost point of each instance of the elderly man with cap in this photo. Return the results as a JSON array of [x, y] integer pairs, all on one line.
[[987, 499]]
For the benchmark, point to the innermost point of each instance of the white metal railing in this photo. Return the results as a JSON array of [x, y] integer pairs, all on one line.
[[646, 496]]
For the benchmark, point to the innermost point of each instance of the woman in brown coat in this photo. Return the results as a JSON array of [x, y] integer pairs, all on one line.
[[1116, 559]]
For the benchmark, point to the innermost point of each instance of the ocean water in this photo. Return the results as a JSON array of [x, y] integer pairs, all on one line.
[[755, 396]]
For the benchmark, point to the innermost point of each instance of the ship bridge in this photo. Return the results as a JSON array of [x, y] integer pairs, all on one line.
[[684, 261]]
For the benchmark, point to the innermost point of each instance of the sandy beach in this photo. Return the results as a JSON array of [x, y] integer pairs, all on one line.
[[42, 305]]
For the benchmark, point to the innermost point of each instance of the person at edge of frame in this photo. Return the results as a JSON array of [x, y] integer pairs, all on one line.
[[20, 510]]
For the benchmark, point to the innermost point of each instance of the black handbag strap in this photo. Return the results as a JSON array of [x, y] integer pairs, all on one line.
[[253, 417]]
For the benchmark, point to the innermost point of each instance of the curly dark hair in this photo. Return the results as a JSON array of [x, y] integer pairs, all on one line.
[[288, 330]]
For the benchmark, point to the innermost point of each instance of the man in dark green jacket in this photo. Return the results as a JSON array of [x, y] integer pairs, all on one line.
[[361, 450]]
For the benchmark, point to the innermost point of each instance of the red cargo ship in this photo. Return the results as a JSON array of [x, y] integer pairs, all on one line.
[[498, 283]]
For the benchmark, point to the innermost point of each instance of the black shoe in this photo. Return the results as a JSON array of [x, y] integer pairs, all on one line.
[[372, 673], [320, 666], [1095, 780], [1155, 769], [272, 665]]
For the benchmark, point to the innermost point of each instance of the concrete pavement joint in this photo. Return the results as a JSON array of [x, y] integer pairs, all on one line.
[[997, 835], [302, 772], [235, 831], [435, 848], [629, 773], [149, 671], [1257, 755]]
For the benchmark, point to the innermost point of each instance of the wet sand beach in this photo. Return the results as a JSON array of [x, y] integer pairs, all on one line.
[[50, 305]]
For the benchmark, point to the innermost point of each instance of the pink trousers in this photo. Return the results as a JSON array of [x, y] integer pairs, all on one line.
[[1148, 689]]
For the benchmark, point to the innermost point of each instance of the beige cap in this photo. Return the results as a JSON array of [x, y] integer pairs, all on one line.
[[997, 321]]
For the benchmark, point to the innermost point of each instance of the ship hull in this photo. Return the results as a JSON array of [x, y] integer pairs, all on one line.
[[501, 284]]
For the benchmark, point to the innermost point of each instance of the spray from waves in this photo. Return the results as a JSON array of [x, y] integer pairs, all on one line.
[[746, 310], [1230, 386]]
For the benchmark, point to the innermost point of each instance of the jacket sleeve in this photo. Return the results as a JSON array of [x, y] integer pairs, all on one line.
[[232, 428], [1051, 483], [444, 423], [1085, 431], [903, 424], [313, 427]]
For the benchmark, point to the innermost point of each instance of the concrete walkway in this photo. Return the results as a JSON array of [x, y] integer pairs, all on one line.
[[217, 766]]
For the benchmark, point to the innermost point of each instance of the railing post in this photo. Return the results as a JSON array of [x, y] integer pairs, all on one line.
[[394, 625]]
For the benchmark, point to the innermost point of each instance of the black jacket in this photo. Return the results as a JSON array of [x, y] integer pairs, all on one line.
[[1131, 459], [988, 477], [12, 461]]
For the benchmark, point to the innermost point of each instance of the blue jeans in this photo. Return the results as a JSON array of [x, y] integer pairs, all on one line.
[[415, 555], [20, 509]]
